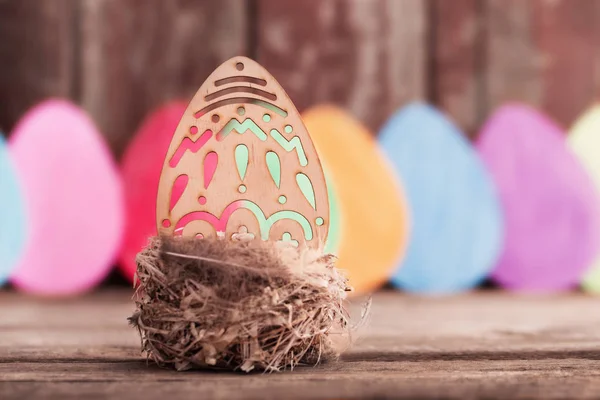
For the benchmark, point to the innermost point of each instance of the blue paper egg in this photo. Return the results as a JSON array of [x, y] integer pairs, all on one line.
[[12, 215], [457, 227]]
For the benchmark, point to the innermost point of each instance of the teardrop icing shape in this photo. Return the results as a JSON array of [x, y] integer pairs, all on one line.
[[241, 104]]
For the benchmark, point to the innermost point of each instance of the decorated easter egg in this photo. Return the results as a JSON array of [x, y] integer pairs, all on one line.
[[141, 167], [73, 200], [549, 202], [241, 161], [12, 215], [456, 218], [584, 141], [373, 219]]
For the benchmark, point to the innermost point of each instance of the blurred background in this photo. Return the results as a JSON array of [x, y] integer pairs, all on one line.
[[120, 59]]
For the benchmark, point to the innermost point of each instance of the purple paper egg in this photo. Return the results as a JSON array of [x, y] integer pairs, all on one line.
[[549, 202]]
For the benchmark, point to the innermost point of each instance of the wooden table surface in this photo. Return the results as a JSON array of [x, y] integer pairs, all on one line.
[[485, 344]]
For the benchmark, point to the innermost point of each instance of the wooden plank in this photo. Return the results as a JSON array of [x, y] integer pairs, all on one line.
[[512, 58], [451, 379], [366, 56], [544, 53], [457, 68], [526, 381], [137, 54], [569, 41], [482, 344], [481, 321], [36, 53]]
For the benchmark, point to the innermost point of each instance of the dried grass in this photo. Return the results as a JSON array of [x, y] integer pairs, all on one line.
[[239, 304]]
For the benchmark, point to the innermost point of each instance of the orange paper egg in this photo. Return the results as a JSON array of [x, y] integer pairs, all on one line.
[[241, 161], [371, 203]]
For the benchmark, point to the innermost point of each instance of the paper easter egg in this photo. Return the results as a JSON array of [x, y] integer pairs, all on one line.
[[73, 199], [141, 167], [584, 141], [549, 202], [12, 215], [457, 223], [373, 219], [241, 161]]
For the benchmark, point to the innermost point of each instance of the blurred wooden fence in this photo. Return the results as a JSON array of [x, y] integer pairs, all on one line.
[[121, 58]]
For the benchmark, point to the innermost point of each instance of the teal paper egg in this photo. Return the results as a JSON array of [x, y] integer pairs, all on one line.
[[12, 215], [457, 227]]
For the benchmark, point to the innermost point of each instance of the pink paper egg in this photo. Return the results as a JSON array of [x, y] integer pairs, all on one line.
[[73, 198], [141, 167], [549, 202]]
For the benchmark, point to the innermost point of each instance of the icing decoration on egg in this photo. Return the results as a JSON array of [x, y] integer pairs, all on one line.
[[584, 141], [74, 201], [140, 168], [242, 160], [373, 217], [12, 215], [549, 202], [457, 221]]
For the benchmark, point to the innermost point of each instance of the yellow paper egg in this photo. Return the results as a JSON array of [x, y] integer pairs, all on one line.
[[584, 140]]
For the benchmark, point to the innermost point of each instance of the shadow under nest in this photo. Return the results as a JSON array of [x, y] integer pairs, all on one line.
[[239, 304]]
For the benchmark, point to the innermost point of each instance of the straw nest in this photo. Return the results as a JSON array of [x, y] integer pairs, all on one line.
[[238, 304]]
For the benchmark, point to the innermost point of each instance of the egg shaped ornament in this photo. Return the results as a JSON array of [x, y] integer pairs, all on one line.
[[584, 141], [141, 166], [549, 202], [242, 216], [371, 209], [456, 216], [241, 161], [12, 215], [73, 201]]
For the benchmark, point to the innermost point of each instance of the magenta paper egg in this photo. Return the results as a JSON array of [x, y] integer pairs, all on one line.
[[73, 199], [549, 202], [141, 167]]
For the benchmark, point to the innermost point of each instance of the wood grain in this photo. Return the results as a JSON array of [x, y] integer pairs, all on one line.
[[120, 59], [137, 54], [36, 53], [456, 61], [513, 60], [478, 345], [367, 56], [568, 36], [544, 53]]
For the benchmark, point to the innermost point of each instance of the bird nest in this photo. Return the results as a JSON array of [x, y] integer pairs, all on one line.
[[239, 304]]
